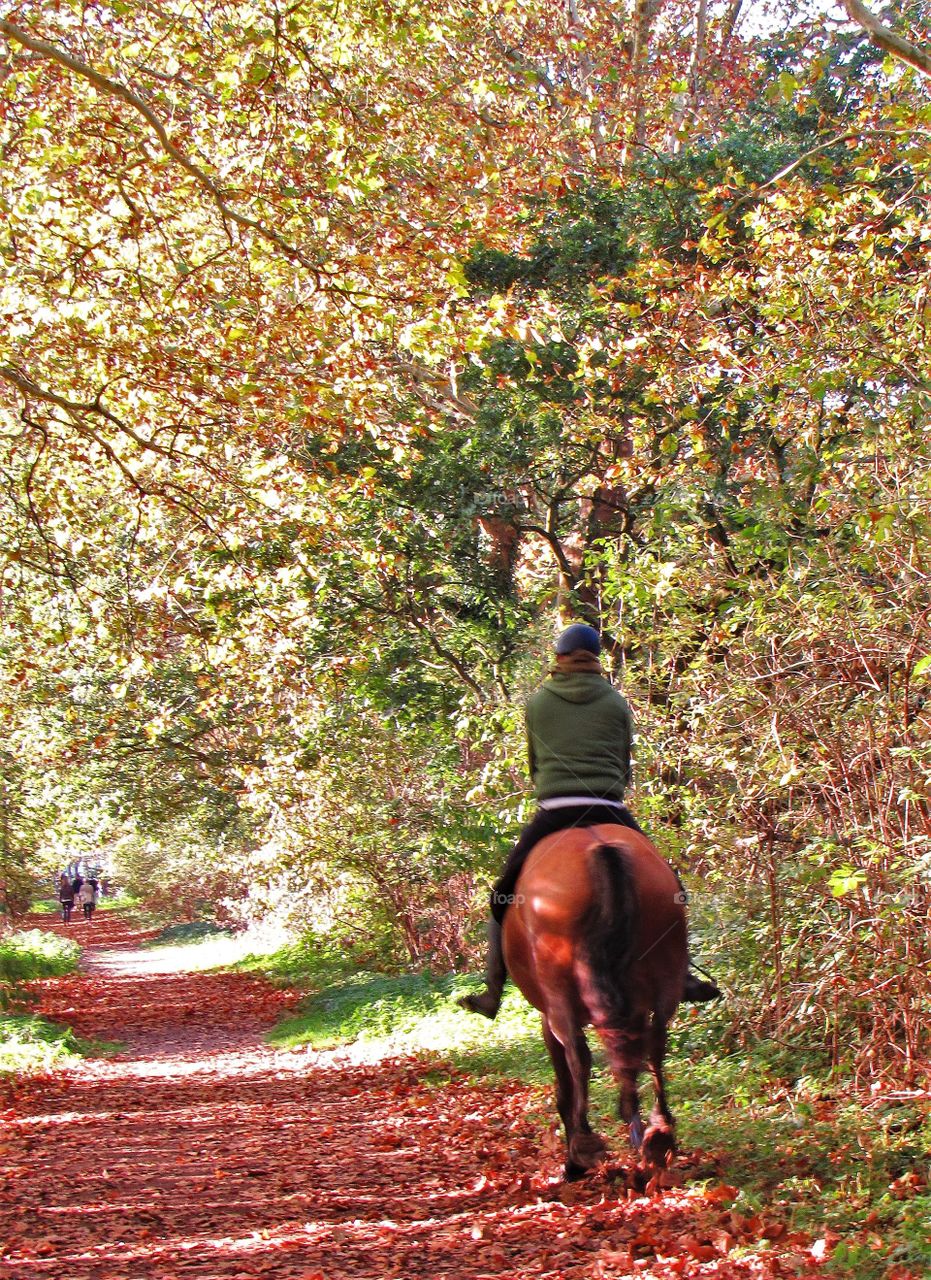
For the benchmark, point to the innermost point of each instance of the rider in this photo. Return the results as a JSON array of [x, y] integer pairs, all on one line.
[[579, 737]]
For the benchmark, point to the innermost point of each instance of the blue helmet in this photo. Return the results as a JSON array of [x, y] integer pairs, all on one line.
[[579, 636]]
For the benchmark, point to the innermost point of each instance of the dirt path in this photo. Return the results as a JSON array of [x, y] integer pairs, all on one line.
[[198, 1151]]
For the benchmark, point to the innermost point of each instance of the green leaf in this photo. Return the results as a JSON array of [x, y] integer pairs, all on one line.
[[788, 85], [844, 880]]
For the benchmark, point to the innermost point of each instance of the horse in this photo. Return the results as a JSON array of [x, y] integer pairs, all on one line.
[[597, 936]]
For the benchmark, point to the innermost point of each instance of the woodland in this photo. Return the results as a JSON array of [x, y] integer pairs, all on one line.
[[349, 348]]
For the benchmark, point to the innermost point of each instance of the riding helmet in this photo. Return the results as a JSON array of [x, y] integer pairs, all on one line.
[[579, 636]]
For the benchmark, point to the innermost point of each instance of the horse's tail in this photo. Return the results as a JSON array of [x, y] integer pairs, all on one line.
[[609, 934]]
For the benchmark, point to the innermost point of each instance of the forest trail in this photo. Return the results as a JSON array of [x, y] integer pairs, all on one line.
[[198, 1151]]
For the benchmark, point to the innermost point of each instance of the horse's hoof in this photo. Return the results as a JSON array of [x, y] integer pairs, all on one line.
[[586, 1150], [698, 991], [658, 1147], [486, 1005], [573, 1173]]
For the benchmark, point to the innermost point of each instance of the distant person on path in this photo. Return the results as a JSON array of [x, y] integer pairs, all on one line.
[[579, 739], [65, 897], [87, 896]]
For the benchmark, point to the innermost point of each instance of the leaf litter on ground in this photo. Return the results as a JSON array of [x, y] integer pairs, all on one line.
[[199, 1151]]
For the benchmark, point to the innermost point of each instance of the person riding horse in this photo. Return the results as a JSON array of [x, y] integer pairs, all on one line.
[[579, 739]]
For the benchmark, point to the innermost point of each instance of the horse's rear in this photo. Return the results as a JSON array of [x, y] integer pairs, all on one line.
[[597, 935]]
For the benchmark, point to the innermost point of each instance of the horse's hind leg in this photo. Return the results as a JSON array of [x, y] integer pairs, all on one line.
[[625, 1046], [572, 1063], [656, 1056], [659, 1141]]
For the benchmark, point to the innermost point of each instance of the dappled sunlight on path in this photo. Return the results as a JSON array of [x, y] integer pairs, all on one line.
[[198, 1151]]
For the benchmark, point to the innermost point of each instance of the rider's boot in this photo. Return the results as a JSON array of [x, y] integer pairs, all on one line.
[[488, 1001], [697, 991]]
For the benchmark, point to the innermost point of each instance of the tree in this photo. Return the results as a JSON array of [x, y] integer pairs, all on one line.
[[345, 354]]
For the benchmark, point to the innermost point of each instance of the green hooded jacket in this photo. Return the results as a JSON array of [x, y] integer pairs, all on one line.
[[579, 737]]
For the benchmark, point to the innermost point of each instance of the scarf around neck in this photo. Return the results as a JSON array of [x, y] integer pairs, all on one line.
[[577, 660]]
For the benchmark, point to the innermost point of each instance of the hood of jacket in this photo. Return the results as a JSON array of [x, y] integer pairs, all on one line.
[[577, 686]]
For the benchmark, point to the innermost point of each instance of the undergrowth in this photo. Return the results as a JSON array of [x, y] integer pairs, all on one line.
[[29, 1044], [32, 953]]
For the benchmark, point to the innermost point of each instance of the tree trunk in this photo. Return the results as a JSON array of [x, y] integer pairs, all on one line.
[[586, 74], [690, 100], [644, 13]]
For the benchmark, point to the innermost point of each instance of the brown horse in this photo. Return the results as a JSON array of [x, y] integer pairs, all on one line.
[[597, 935]]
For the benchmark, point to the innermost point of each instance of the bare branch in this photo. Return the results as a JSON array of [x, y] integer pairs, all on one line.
[[886, 39]]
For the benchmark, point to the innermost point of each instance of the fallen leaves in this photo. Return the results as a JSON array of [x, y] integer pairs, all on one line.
[[199, 1152]]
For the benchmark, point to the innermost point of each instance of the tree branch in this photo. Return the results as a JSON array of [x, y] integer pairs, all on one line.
[[886, 39], [113, 88], [440, 650], [435, 389], [813, 151], [29, 388], [552, 540]]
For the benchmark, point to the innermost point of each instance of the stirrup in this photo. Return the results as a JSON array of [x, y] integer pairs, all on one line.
[[484, 1003]]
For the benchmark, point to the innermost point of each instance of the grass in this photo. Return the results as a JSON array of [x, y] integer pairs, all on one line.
[[29, 1044], [181, 935], [801, 1146], [116, 902], [312, 962], [32, 953], [45, 907], [816, 1150], [416, 1014], [201, 946], [391, 1014]]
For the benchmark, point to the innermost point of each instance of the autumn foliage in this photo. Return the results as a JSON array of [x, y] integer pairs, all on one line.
[[345, 350]]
